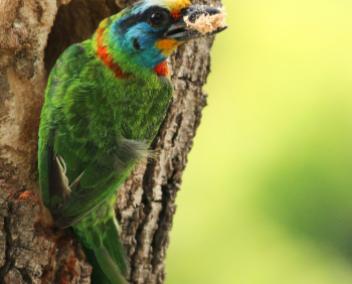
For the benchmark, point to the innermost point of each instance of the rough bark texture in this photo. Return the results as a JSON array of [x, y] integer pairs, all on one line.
[[32, 35]]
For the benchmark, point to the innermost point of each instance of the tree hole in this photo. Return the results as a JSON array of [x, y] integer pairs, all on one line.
[[75, 22]]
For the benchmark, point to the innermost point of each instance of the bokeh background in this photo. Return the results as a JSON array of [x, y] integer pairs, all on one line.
[[267, 195]]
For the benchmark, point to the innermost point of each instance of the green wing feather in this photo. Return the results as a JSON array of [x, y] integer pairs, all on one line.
[[60, 77], [74, 132]]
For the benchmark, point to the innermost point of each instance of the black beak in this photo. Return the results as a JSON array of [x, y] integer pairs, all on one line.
[[182, 31]]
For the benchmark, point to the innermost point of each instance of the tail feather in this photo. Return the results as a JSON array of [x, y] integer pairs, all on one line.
[[98, 275], [105, 251], [112, 243], [108, 266]]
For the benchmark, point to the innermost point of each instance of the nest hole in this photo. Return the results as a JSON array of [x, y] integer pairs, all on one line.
[[75, 22]]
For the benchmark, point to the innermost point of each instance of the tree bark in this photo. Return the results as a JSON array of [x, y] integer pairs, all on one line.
[[33, 33]]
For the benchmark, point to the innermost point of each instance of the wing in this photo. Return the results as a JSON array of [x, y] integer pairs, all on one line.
[[62, 74], [83, 157], [99, 181]]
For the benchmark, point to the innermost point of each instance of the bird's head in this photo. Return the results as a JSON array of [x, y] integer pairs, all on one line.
[[145, 34]]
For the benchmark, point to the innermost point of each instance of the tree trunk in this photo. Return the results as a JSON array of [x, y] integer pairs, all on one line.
[[32, 35]]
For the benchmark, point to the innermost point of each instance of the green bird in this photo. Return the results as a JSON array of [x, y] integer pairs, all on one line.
[[105, 100]]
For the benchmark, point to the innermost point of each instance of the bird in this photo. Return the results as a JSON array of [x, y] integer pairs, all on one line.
[[105, 100]]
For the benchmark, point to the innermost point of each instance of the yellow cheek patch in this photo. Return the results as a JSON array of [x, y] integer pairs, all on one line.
[[167, 46]]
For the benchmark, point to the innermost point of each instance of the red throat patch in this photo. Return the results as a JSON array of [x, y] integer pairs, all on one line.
[[162, 69]]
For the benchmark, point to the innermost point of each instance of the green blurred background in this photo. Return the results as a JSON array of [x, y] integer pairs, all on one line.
[[267, 195]]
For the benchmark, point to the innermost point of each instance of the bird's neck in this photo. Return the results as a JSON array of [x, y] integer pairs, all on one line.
[[105, 55]]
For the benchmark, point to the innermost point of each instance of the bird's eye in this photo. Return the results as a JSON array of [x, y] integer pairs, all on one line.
[[159, 18]]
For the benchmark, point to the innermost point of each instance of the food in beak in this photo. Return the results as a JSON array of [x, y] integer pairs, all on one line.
[[207, 23], [197, 21]]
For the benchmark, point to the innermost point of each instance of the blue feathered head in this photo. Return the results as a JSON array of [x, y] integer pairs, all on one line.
[[146, 33]]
